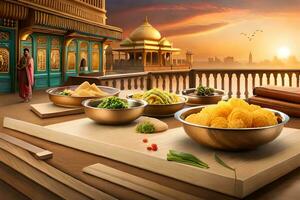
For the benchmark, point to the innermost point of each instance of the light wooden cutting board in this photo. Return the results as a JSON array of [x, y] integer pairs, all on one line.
[[47, 110], [254, 168]]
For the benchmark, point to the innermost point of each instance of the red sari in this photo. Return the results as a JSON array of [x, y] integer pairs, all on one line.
[[26, 77]]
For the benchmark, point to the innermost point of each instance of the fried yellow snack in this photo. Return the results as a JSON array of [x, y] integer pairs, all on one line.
[[263, 117], [208, 109], [87, 90], [238, 103], [236, 113], [85, 85], [200, 119], [236, 123], [253, 107], [219, 122], [223, 109], [241, 114]]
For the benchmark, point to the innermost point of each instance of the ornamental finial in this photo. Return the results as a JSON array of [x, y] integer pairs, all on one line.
[[146, 19]]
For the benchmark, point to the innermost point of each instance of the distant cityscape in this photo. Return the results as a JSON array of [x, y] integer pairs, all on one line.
[[291, 61]]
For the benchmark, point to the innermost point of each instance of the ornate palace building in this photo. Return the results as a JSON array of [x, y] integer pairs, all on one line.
[[65, 38], [145, 50]]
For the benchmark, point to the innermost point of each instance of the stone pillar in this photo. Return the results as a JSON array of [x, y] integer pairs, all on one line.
[[160, 58], [134, 58], [144, 58], [151, 59]]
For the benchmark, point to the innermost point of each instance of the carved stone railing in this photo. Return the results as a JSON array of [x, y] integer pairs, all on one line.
[[237, 83]]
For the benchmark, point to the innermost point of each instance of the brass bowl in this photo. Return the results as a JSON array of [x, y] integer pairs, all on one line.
[[195, 99], [69, 101], [163, 110], [114, 116], [230, 138]]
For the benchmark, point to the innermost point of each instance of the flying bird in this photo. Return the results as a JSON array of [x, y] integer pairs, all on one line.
[[250, 36]]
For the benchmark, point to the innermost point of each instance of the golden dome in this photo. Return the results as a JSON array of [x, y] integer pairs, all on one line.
[[125, 42], [145, 32], [165, 42]]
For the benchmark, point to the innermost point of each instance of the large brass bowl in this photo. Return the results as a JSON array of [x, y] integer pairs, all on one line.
[[114, 116], [163, 110], [194, 99], [69, 101], [230, 138]]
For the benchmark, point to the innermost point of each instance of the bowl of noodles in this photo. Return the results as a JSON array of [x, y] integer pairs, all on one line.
[[232, 125], [160, 103], [72, 96]]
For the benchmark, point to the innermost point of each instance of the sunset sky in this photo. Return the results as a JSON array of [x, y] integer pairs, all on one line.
[[212, 28]]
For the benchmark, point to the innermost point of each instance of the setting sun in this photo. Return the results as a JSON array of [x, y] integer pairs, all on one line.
[[283, 52]]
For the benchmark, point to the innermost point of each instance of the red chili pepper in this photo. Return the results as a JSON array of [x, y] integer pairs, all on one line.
[[145, 140], [154, 147], [149, 148]]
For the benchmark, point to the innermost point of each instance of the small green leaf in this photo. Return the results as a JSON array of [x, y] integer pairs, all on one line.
[[186, 158], [221, 162]]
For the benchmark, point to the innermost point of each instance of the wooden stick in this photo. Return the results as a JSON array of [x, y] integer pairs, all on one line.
[[38, 152], [47, 176], [135, 183]]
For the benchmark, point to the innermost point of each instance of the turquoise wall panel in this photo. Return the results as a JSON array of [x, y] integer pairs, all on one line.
[[41, 81], [5, 84], [55, 79], [7, 79]]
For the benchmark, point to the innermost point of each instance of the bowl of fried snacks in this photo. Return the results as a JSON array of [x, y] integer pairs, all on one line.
[[72, 96], [232, 124]]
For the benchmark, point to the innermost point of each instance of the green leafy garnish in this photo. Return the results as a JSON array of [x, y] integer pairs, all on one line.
[[221, 162], [204, 91], [145, 127], [113, 103], [186, 158], [65, 93]]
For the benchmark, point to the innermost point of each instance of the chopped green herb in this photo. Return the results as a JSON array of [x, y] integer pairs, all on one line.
[[65, 93], [113, 103], [186, 158], [204, 91], [145, 127]]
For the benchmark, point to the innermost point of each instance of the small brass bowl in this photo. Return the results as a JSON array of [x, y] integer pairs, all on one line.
[[114, 116], [163, 110], [230, 138], [69, 101], [194, 99]]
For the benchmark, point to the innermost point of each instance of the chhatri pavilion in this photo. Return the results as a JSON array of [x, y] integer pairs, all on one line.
[[146, 50]]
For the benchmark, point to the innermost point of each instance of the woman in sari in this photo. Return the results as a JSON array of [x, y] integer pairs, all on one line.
[[26, 76]]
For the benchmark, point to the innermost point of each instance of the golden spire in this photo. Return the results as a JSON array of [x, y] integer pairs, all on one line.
[[146, 20]]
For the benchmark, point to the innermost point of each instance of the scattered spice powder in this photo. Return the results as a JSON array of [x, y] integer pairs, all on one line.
[[145, 140]]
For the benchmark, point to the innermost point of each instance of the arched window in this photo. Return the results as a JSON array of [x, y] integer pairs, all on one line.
[[41, 53], [72, 56], [95, 57], [55, 55]]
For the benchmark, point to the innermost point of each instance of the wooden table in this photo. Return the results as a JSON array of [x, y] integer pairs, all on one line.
[[71, 161]]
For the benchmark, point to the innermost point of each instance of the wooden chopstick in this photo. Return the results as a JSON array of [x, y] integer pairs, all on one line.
[[136, 183], [38, 152]]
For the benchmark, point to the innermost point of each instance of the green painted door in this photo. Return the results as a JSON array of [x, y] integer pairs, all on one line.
[[47, 54], [7, 60]]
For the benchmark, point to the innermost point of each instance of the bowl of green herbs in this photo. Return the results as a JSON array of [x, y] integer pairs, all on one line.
[[203, 95], [114, 110]]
